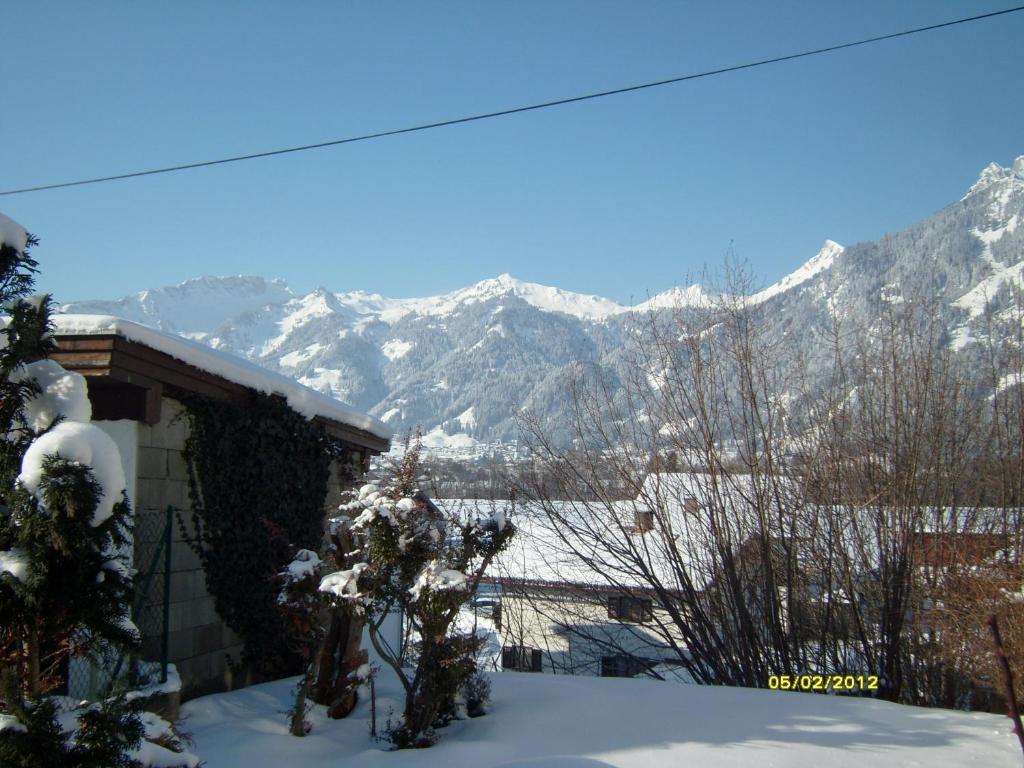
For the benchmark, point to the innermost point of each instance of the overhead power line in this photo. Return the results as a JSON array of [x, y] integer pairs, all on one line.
[[514, 110]]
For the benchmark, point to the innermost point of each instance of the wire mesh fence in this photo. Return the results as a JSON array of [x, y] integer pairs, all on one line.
[[152, 544]]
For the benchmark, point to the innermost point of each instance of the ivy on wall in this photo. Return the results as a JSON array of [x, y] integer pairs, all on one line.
[[258, 474]]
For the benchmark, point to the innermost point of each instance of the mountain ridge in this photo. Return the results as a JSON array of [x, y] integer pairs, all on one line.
[[461, 364], [147, 302]]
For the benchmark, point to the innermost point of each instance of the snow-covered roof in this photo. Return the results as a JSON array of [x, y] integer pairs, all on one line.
[[304, 400], [537, 553], [600, 531]]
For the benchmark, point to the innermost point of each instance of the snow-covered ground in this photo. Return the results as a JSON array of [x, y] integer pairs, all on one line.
[[557, 721]]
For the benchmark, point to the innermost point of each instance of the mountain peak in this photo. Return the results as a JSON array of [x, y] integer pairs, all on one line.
[[820, 262], [676, 298], [994, 173], [251, 284], [543, 297], [503, 283], [192, 306]]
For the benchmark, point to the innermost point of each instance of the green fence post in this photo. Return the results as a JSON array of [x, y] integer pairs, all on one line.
[[165, 639], [164, 544]]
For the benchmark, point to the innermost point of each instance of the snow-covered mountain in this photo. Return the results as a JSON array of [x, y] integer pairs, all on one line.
[[461, 364]]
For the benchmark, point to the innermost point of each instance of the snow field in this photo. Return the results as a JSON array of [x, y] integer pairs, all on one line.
[[560, 721]]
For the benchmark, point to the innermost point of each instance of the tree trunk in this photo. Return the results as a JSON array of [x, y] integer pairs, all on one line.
[[297, 727], [327, 662], [340, 655], [34, 683]]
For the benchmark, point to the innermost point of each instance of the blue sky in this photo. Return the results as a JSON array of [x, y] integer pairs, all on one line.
[[620, 197]]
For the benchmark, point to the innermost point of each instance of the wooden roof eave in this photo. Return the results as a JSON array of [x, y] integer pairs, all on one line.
[[111, 358]]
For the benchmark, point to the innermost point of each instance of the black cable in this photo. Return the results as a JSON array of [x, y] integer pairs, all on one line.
[[514, 110]]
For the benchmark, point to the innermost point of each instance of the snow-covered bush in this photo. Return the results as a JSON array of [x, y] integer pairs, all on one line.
[[303, 607], [476, 692], [64, 587], [327, 632], [415, 559]]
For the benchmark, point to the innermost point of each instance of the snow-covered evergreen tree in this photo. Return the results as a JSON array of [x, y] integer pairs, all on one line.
[[65, 587]]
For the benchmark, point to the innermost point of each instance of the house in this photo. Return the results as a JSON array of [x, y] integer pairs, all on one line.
[[546, 610], [603, 588], [609, 587], [579, 628], [600, 589], [137, 378]]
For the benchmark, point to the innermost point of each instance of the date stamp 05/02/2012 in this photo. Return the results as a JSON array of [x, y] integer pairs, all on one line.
[[838, 683]]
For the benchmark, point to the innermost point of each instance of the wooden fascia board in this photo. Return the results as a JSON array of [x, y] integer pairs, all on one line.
[[349, 434], [133, 363], [140, 360], [88, 355]]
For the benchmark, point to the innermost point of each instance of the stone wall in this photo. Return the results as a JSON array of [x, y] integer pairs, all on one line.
[[199, 642]]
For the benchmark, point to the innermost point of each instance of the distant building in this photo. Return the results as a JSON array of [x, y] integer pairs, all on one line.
[[553, 611]]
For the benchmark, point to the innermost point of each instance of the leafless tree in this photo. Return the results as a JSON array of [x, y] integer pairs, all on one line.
[[825, 518]]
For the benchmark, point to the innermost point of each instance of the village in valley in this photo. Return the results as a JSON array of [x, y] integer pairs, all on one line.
[[511, 524]]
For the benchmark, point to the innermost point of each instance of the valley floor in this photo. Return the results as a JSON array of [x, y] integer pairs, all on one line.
[[557, 721]]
